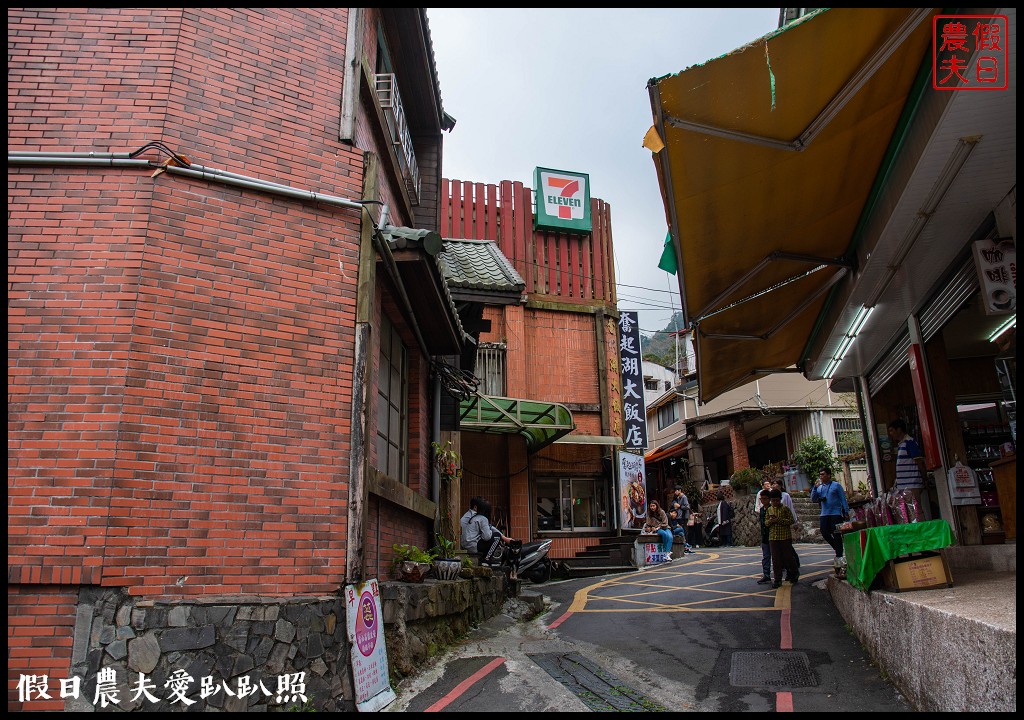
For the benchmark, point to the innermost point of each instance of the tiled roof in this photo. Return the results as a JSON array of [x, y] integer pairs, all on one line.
[[479, 265]]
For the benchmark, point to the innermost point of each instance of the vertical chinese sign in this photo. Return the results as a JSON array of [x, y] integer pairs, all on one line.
[[632, 483], [634, 412], [369, 655], [970, 52], [996, 261]]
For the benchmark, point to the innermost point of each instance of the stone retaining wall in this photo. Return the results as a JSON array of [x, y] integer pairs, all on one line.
[[422, 618], [746, 530], [235, 643], [245, 644]]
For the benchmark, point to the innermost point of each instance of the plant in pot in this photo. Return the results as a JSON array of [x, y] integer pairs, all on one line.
[[446, 562], [411, 563], [815, 455], [748, 479]]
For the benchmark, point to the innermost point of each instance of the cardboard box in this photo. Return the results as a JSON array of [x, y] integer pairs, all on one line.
[[917, 572]]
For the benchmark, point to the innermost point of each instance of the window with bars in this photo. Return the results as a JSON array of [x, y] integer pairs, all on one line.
[[392, 404], [849, 436], [490, 368]]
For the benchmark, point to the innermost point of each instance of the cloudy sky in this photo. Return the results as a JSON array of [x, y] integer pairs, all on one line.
[[567, 89]]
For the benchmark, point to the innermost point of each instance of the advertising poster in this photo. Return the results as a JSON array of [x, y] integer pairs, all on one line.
[[653, 554], [369, 655], [632, 491]]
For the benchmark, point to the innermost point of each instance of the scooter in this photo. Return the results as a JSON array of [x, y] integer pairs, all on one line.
[[522, 560]]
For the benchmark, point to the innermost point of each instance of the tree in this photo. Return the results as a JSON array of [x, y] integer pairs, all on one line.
[[815, 455]]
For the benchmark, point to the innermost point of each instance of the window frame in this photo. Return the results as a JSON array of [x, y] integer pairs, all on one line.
[[390, 339], [675, 415], [838, 432]]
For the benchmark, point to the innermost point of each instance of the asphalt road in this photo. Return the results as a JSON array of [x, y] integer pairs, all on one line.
[[696, 635]]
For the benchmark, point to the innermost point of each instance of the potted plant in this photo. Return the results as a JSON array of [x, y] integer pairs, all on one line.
[[747, 479], [815, 455], [446, 564], [411, 563]]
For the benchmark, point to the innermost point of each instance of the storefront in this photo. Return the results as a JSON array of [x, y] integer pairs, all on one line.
[[847, 221], [970, 385]]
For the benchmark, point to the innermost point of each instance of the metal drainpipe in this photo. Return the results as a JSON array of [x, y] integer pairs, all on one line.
[[201, 172], [15, 159]]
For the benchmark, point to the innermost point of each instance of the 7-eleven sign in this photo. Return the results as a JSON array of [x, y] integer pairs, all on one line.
[[563, 201]]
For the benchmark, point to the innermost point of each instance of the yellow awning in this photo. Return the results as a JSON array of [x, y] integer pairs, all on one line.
[[770, 155]]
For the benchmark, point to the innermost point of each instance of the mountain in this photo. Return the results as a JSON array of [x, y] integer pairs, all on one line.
[[660, 347]]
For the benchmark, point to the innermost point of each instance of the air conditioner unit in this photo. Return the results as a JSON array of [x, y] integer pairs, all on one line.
[[398, 128]]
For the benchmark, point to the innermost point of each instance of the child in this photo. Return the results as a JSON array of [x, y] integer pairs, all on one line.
[[779, 520]]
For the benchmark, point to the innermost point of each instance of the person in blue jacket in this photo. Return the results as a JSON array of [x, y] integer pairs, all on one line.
[[834, 510]]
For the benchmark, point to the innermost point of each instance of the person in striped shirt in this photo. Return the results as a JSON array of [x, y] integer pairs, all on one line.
[[910, 469]]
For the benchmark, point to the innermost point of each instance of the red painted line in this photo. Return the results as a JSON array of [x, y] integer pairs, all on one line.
[[559, 621], [786, 631], [784, 702], [465, 685]]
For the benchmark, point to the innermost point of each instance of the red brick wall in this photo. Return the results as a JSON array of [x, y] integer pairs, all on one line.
[[560, 353], [387, 525], [40, 629], [180, 353], [738, 440]]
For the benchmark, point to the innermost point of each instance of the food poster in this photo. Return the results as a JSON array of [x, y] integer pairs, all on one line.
[[365, 625], [632, 491]]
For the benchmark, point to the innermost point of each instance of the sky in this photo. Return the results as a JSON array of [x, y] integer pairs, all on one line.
[[566, 88]]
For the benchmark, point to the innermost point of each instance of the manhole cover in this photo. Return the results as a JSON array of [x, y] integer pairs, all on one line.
[[771, 670], [598, 689]]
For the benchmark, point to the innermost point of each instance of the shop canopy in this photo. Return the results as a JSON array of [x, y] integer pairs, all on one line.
[[667, 451], [766, 158], [540, 423]]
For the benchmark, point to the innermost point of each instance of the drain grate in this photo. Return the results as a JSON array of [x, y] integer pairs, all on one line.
[[771, 670], [599, 690]]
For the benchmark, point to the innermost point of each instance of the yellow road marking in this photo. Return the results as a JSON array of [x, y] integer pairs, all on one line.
[[648, 586]]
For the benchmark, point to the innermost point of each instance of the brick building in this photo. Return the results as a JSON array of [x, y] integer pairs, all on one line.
[[218, 386], [548, 346]]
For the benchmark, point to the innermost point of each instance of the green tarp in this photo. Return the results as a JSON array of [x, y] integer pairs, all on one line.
[[868, 550], [541, 423]]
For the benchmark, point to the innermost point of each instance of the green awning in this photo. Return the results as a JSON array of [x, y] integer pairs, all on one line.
[[541, 423]]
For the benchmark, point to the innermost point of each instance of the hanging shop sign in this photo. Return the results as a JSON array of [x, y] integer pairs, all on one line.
[[365, 625], [634, 411], [563, 201], [996, 261], [632, 490]]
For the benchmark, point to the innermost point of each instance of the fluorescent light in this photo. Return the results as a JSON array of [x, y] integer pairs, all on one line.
[[844, 346], [833, 364], [1011, 323], [862, 317]]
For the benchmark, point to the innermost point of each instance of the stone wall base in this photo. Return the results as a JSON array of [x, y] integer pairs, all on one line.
[[422, 618]]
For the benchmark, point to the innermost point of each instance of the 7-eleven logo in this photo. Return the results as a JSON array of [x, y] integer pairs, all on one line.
[[563, 196]]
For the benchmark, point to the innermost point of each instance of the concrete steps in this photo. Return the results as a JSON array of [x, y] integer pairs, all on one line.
[[607, 555]]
